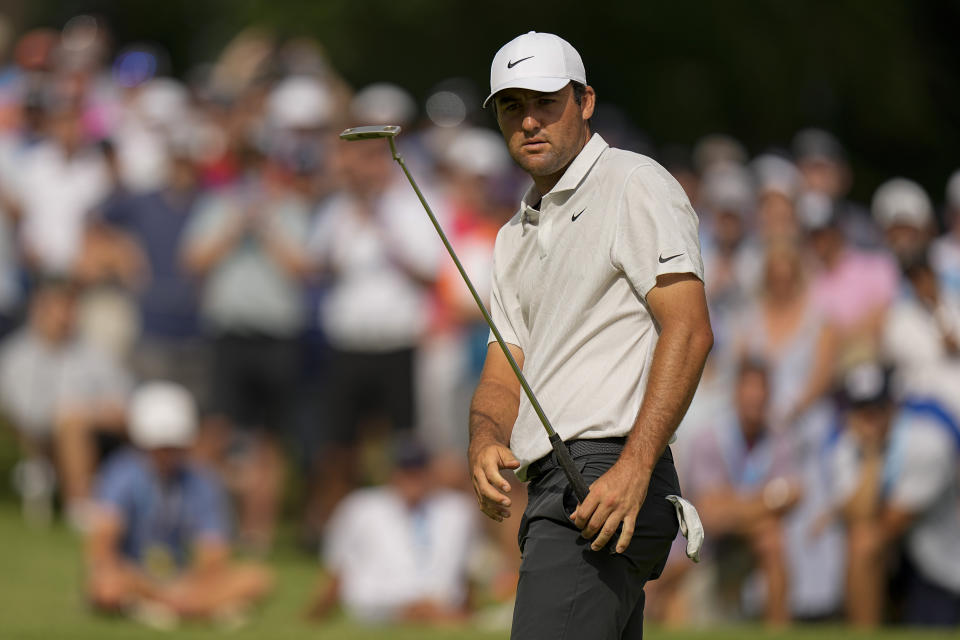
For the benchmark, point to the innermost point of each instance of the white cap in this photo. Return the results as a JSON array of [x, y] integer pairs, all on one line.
[[775, 174], [902, 201], [300, 102], [728, 188], [383, 103], [479, 152], [536, 61], [162, 414]]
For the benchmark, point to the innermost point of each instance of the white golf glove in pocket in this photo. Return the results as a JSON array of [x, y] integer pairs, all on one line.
[[690, 526]]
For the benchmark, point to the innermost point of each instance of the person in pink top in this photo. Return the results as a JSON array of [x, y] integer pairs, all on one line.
[[852, 288]]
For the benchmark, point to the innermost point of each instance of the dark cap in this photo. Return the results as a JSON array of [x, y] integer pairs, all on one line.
[[866, 384], [817, 144], [409, 453]]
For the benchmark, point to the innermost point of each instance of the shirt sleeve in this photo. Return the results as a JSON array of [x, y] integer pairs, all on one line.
[[844, 470], [657, 229], [115, 485], [706, 469], [208, 512], [926, 470], [504, 308]]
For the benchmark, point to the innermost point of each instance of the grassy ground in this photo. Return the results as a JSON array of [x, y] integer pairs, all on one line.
[[40, 599]]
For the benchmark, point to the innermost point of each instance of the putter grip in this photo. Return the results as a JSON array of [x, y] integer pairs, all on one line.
[[569, 469]]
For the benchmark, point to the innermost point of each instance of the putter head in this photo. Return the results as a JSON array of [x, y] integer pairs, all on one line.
[[367, 133]]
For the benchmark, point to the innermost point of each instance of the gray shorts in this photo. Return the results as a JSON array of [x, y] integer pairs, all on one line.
[[566, 590]]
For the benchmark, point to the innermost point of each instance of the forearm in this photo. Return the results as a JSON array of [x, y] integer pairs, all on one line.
[[199, 259], [674, 374], [492, 413], [864, 503], [288, 257]]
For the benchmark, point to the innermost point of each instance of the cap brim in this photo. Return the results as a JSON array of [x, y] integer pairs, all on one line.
[[545, 85]]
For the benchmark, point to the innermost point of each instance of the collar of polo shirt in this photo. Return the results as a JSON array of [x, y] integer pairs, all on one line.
[[570, 180]]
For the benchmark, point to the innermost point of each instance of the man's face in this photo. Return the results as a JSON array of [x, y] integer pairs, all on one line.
[[544, 131], [52, 314], [870, 424], [751, 398]]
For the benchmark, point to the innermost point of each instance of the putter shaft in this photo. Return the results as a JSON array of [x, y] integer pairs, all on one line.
[[560, 450]]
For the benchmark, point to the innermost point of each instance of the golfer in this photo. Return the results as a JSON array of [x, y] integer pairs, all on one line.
[[598, 291]]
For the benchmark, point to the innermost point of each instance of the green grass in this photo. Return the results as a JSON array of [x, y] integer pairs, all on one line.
[[40, 599]]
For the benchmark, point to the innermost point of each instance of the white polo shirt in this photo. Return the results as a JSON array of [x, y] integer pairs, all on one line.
[[569, 288]]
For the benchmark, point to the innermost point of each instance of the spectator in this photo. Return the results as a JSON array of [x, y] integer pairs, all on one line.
[[778, 184], [904, 213], [921, 338], [742, 476], [65, 396], [896, 478], [376, 245], [58, 183], [785, 329], [247, 244], [729, 253], [475, 163], [153, 224], [824, 170], [399, 552], [945, 251], [159, 547], [852, 288]]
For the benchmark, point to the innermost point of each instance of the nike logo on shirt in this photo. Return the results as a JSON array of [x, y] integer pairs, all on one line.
[[512, 64], [573, 218], [662, 259]]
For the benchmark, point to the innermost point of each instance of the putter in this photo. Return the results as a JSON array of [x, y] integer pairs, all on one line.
[[559, 448]]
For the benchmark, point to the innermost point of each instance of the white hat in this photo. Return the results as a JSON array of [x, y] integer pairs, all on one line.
[[478, 152], [535, 61], [775, 174], [902, 201], [300, 102], [162, 414], [728, 188], [383, 103]]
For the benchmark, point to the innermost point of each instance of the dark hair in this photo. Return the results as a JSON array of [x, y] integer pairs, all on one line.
[[751, 364], [580, 90]]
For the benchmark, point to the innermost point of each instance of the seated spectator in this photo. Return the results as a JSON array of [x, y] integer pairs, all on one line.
[[785, 329], [741, 475], [399, 552], [158, 547], [65, 396], [896, 476]]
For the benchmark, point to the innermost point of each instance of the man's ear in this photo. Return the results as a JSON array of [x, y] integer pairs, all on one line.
[[588, 103]]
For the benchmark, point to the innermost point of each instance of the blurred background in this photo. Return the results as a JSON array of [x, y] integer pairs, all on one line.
[[236, 363]]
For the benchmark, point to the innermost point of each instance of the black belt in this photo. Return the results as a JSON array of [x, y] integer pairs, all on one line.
[[577, 448]]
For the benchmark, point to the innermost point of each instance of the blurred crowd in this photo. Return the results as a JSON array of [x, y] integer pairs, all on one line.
[[214, 312]]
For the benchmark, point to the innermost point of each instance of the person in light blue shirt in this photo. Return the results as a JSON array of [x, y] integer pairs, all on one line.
[[159, 538]]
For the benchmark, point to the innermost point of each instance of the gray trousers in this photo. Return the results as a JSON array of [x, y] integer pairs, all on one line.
[[566, 590]]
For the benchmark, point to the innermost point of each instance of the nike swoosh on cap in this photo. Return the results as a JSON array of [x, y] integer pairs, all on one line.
[[512, 64], [573, 218], [662, 259]]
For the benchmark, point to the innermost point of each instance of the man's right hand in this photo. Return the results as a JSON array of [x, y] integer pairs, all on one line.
[[486, 461]]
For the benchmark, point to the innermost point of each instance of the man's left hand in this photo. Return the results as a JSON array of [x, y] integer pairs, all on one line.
[[615, 498]]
